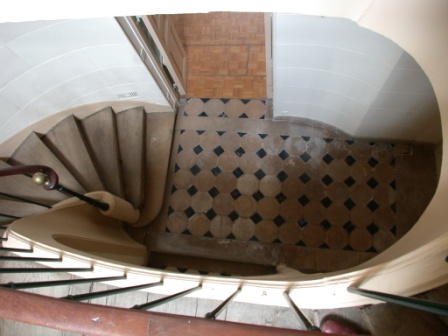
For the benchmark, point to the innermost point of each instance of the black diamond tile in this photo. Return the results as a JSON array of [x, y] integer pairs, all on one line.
[[195, 170], [277, 241], [233, 216], [216, 171], [372, 205], [218, 150], [176, 168], [372, 183], [305, 157], [280, 198], [325, 224], [327, 180], [302, 222], [185, 115], [167, 230], [306, 138], [192, 190], [282, 176], [372, 228], [349, 181], [300, 243], [261, 153], [213, 192], [225, 100], [262, 135], [231, 236], [283, 155], [220, 133], [235, 194], [393, 207], [253, 238], [349, 204], [256, 218], [328, 158], [326, 202], [257, 196], [189, 212], [350, 160], [284, 137], [179, 149], [305, 178], [324, 245], [186, 232], [349, 227], [203, 114], [259, 174], [173, 189], [241, 134], [198, 149], [200, 132], [208, 234], [238, 172], [204, 100], [223, 115], [394, 230], [393, 185], [170, 210], [279, 220], [304, 200], [240, 152], [245, 101], [350, 142], [210, 214], [182, 131], [392, 162], [348, 248], [372, 249], [372, 162], [244, 115], [328, 140]]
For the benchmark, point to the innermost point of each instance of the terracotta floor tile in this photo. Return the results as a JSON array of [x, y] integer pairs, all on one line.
[[266, 231], [180, 200], [291, 210], [336, 237], [201, 201], [243, 229], [270, 185], [245, 206], [177, 222], [204, 181], [207, 160], [183, 179], [290, 233], [226, 182], [360, 240], [221, 226], [251, 142], [273, 144], [209, 140], [313, 235], [247, 184], [223, 204], [228, 162], [198, 225], [249, 163], [268, 208]]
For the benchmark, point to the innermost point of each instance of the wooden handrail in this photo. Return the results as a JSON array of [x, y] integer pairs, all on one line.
[[91, 319], [32, 169]]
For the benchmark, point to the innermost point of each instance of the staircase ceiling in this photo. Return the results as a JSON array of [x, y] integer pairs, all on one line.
[[333, 71]]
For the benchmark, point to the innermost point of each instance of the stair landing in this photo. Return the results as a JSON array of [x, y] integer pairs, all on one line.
[[251, 190]]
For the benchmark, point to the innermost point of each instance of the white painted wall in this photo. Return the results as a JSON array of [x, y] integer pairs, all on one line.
[[51, 66], [334, 71]]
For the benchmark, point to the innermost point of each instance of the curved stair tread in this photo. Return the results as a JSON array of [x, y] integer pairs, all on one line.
[[159, 134], [19, 209], [23, 186], [131, 135], [100, 132], [33, 151], [66, 142]]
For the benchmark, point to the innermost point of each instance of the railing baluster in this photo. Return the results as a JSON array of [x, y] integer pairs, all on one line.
[[39, 284], [24, 200], [222, 306], [94, 295], [308, 325], [30, 259], [12, 249], [421, 304], [166, 299], [44, 270]]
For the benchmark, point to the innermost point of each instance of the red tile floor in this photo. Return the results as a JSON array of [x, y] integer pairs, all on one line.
[[298, 192]]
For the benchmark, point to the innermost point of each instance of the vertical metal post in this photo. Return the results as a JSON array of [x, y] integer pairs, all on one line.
[[158, 302], [299, 313], [222, 306]]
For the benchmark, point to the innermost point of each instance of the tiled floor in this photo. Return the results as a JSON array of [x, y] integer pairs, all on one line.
[[304, 195]]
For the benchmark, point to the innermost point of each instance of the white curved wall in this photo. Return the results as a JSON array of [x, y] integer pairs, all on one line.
[[51, 66]]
